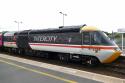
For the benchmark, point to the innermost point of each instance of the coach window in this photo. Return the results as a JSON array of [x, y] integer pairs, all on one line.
[[86, 38]]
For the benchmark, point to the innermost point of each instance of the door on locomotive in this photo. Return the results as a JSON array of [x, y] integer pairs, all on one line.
[[86, 38]]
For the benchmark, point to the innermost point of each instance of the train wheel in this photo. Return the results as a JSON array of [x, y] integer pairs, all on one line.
[[91, 61], [64, 57], [9, 50], [20, 51]]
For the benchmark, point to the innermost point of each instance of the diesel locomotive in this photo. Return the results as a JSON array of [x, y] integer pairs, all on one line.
[[83, 43]]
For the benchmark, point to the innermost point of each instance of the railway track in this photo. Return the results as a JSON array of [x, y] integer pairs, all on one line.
[[118, 66], [116, 69]]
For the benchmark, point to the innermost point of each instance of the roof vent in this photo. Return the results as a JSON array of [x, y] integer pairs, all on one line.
[[61, 27]]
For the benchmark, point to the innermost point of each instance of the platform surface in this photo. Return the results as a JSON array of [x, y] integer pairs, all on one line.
[[17, 72]]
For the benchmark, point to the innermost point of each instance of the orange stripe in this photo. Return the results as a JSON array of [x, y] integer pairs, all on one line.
[[113, 57]]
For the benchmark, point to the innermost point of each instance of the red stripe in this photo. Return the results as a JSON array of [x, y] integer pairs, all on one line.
[[69, 46], [99, 47], [73, 46], [10, 42]]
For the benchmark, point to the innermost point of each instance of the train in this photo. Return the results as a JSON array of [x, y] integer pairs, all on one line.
[[86, 44]]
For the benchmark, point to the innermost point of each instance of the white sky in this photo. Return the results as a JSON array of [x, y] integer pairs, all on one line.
[[108, 15]]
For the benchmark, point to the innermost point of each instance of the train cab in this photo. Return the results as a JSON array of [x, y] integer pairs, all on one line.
[[96, 37], [97, 43]]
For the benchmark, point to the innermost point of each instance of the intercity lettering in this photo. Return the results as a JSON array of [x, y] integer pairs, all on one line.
[[45, 38]]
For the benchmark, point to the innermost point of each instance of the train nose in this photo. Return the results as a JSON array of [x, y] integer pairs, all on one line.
[[113, 57]]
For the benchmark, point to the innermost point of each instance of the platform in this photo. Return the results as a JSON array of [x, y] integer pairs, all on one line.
[[16, 72]]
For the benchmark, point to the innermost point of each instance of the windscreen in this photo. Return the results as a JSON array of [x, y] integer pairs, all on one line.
[[96, 38], [100, 38]]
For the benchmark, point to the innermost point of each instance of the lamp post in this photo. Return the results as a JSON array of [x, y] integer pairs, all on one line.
[[63, 16], [18, 23]]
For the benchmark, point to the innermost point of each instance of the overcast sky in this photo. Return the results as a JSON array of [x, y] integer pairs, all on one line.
[[108, 15]]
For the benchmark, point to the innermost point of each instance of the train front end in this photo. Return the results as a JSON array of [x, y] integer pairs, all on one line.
[[96, 43]]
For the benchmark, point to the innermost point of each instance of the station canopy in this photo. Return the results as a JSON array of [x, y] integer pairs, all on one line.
[[121, 30]]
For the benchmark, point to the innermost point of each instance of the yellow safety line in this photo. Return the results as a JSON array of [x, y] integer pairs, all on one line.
[[39, 72]]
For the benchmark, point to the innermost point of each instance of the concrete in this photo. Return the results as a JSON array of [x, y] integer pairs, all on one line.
[[83, 74], [17, 72]]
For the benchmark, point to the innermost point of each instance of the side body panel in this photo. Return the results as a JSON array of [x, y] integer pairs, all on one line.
[[69, 42]]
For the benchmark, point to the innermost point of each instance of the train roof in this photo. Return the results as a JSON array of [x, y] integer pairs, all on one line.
[[3, 32], [10, 33], [23, 32], [61, 29]]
